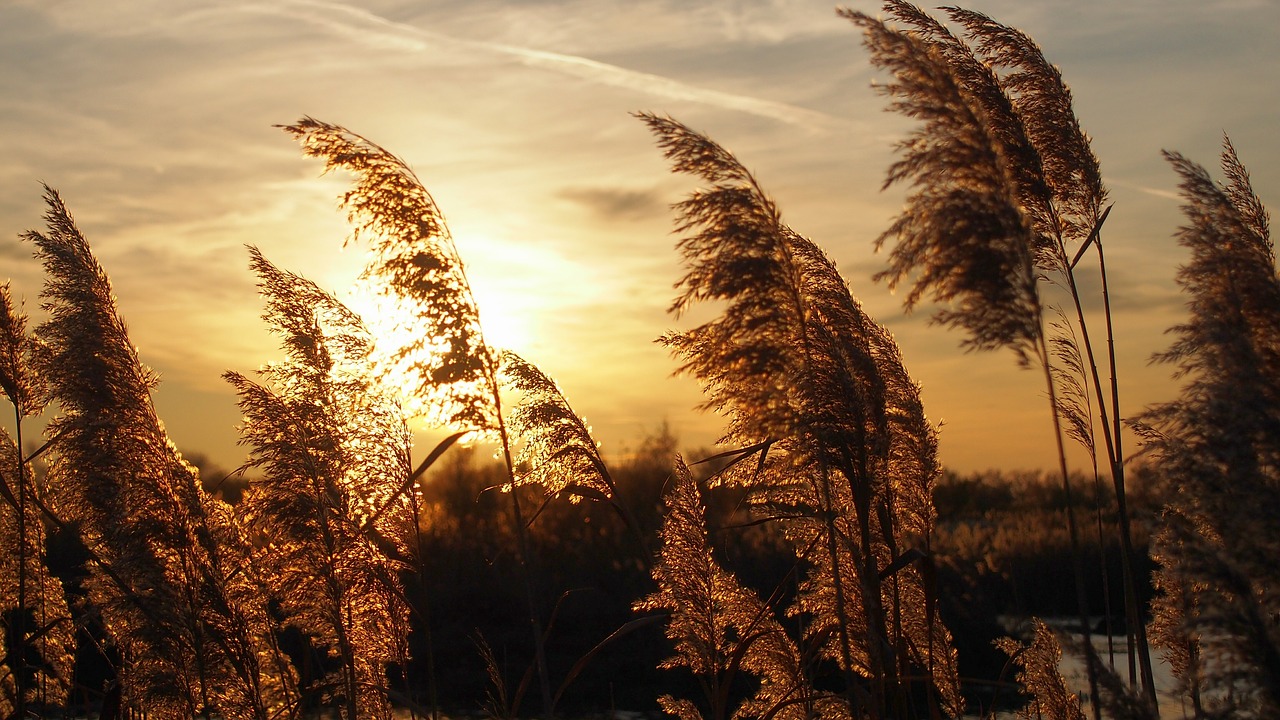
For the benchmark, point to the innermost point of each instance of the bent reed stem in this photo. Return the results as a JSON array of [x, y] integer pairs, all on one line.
[[1077, 559]]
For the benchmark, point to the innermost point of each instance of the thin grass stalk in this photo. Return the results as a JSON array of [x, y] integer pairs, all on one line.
[[196, 631], [1077, 410], [898, 642], [345, 651], [857, 702], [18, 665], [1077, 560], [525, 558], [432, 689], [886, 685], [410, 489], [1098, 499], [21, 385], [898, 645], [525, 552], [1135, 630]]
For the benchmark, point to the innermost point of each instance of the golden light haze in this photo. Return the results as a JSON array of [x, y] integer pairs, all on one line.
[[154, 121]]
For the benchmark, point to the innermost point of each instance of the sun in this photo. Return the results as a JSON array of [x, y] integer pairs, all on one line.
[[506, 324], [503, 318], [506, 321]]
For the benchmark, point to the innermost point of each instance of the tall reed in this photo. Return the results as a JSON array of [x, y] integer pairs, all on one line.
[[815, 391], [335, 451], [38, 641], [1037, 662], [1218, 612], [1069, 214], [434, 344], [1006, 192], [188, 625], [722, 630]]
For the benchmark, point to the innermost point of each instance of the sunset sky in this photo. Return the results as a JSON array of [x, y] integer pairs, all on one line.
[[154, 120]]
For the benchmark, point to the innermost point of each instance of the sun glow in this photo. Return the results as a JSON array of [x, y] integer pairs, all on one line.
[[506, 322]]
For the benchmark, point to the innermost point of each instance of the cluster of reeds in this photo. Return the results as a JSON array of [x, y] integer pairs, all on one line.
[[195, 600], [1006, 199], [165, 581], [1217, 446], [835, 446]]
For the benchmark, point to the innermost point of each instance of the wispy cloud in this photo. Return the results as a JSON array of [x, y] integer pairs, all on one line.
[[617, 203], [1154, 192], [372, 30]]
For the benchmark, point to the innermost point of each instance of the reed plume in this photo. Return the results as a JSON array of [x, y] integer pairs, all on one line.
[[1061, 167], [1037, 661], [21, 384], [448, 371], [335, 450], [39, 638], [963, 239], [1218, 444], [190, 632], [720, 628], [558, 453], [814, 388]]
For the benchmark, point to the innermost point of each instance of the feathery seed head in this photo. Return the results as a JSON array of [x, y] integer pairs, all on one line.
[[18, 379], [1219, 446], [558, 453], [440, 355], [964, 238]]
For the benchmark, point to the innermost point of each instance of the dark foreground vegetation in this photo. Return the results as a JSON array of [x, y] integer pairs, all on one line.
[[1000, 546], [822, 566]]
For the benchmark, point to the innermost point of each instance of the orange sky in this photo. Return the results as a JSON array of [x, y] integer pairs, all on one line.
[[154, 121]]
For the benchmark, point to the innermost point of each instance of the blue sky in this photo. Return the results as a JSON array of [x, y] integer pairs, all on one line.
[[154, 120]]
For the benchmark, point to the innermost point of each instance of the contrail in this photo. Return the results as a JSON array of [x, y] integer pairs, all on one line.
[[1156, 192], [374, 30]]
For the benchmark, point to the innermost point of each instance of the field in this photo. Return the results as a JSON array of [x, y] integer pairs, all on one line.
[[819, 563]]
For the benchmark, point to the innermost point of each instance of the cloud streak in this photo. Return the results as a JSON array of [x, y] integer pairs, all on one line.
[[372, 30], [1154, 192], [616, 203]]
